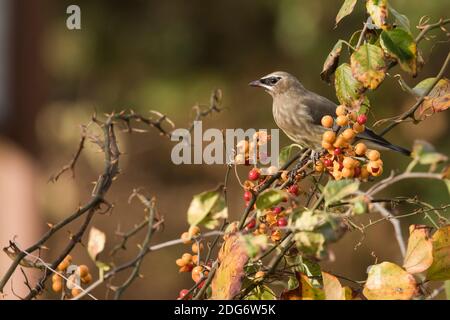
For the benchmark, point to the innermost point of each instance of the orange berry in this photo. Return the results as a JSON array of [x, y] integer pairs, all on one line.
[[319, 166], [196, 248], [197, 273], [326, 145], [180, 262], [340, 142], [358, 128], [195, 259], [337, 175], [374, 168], [347, 172], [373, 155], [329, 136], [87, 279], [327, 121], [63, 265], [187, 258], [364, 173], [186, 268], [348, 163], [75, 292], [186, 238], [259, 275], [360, 149], [262, 228], [352, 116], [56, 277], [194, 231], [341, 110], [348, 134], [83, 270], [342, 121], [57, 286], [276, 235]]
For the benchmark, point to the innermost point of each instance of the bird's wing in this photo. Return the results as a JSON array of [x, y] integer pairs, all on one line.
[[371, 136], [318, 106]]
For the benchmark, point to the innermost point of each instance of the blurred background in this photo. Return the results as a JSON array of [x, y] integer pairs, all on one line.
[[168, 56]]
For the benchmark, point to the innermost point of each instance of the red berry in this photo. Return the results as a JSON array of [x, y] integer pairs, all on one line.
[[362, 119], [327, 162], [277, 210], [282, 222], [247, 196], [337, 151], [183, 293], [251, 224], [253, 174], [293, 189]]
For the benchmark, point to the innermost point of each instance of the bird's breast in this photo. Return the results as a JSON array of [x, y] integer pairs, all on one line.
[[297, 124]]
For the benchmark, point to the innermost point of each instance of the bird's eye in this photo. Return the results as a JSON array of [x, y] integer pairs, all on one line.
[[271, 81]]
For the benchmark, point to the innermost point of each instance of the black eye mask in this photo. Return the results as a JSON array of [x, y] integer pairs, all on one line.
[[270, 81]]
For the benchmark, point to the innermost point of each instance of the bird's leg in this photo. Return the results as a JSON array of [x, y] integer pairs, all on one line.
[[314, 156], [298, 166]]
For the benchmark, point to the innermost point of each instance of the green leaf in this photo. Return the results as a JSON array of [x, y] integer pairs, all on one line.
[[207, 208], [425, 153], [368, 65], [447, 183], [423, 86], [346, 9], [400, 44], [378, 11], [292, 283], [447, 289], [261, 292], [309, 221], [270, 198], [360, 206], [286, 154], [440, 269], [348, 89], [254, 245], [401, 19], [388, 281], [310, 243], [331, 62], [336, 190]]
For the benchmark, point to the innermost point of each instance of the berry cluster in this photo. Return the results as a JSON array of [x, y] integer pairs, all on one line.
[[190, 262], [80, 276], [342, 159], [248, 152]]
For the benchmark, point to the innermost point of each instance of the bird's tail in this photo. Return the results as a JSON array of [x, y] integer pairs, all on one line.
[[379, 141]]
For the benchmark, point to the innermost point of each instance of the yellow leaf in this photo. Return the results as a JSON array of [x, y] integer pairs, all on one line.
[[419, 255], [227, 280], [440, 269], [388, 281], [333, 288]]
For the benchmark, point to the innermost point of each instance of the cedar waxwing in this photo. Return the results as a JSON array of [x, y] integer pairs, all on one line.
[[298, 112]]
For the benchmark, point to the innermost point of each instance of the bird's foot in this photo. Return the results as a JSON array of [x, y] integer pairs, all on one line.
[[314, 156]]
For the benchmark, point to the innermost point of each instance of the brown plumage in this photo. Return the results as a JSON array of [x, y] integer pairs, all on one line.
[[298, 112]]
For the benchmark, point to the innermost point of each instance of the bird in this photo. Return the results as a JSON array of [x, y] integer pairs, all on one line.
[[298, 113]]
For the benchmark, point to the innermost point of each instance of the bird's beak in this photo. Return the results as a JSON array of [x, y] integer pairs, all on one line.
[[255, 83]]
